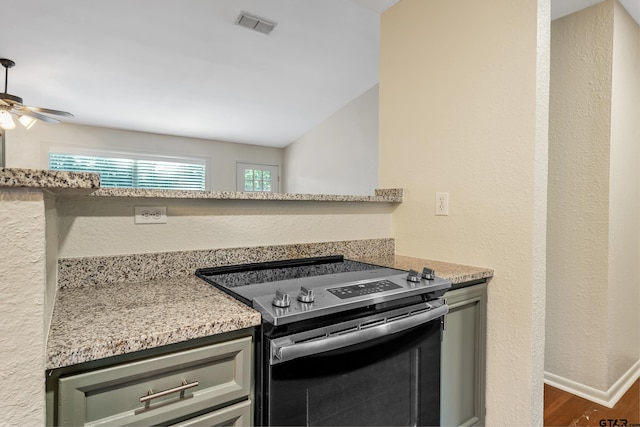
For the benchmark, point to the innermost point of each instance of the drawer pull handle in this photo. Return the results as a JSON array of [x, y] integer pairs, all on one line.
[[151, 395]]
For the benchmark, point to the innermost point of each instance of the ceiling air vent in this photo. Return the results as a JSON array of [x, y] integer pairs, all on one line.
[[255, 23]]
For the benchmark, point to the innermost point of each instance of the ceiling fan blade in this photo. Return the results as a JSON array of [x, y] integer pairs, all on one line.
[[48, 111], [35, 115]]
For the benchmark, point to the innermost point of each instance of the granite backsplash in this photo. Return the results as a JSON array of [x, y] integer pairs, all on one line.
[[87, 271]]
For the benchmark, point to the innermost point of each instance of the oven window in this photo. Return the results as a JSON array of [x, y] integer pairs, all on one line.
[[357, 397], [392, 381]]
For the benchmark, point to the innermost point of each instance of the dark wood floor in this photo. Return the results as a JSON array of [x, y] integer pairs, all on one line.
[[565, 409]]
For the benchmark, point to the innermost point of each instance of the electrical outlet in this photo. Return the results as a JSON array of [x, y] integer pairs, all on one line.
[[150, 214], [442, 203]]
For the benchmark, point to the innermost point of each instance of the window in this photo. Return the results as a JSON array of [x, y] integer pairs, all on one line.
[[254, 177], [123, 172]]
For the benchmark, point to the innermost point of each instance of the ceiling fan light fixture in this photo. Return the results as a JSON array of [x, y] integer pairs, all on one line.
[[6, 121], [27, 121], [12, 105]]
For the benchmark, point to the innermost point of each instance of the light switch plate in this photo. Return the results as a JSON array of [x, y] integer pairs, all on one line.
[[442, 204]]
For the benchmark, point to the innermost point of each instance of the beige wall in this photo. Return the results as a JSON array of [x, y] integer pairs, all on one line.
[[579, 150], [30, 148], [340, 155], [624, 199], [463, 109], [93, 226], [594, 198], [22, 300]]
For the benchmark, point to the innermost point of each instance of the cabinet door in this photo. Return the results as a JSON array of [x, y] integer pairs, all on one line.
[[463, 357], [111, 396], [237, 415]]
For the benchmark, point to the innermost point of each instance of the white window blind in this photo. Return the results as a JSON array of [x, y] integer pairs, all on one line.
[[134, 173]]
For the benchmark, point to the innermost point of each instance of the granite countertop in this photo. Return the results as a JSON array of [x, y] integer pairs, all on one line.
[[88, 184], [46, 179], [104, 320], [100, 321], [457, 273], [392, 195]]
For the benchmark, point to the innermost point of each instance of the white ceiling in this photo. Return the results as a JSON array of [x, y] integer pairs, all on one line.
[[560, 8], [633, 7], [184, 68]]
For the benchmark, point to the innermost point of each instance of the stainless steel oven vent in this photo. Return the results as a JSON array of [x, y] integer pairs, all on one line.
[[255, 23]]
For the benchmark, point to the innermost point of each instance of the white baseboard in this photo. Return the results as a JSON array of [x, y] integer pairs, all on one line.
[[606, 398]]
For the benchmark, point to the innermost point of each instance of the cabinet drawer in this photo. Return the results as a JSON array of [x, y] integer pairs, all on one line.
[[111, 396], [235, 415]]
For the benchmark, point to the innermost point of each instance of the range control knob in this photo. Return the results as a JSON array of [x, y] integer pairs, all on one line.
[[428, 274], [413, 276], [281, 299], [306, 295]]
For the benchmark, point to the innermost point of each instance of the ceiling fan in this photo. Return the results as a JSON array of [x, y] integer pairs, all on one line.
[[12, 105]]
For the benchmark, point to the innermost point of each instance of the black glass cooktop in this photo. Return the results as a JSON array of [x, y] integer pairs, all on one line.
[[337, 284], [274, 271]]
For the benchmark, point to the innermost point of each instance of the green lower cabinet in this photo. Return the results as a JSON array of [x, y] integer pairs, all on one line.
[[208, 385], [234, 416], [464, 356]]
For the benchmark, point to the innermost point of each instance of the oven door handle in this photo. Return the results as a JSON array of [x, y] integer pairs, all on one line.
[[293, 351]]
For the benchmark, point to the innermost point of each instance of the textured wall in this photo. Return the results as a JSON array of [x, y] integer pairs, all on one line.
[[22, 278], [340, 155], [578, 209], [594, 203], [624, 199], [540, 209], [462, 110], [51, 239], [29, 149]]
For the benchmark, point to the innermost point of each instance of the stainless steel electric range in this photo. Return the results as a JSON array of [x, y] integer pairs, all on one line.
[[342, 342]]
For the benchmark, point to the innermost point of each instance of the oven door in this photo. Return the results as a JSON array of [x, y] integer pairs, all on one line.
[[381, 370]]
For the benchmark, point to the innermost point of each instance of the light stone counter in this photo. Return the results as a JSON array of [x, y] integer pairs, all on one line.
[[103, 320], [83, 183], [393, 195], [46, 179], [100, 321], [458, 274]]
